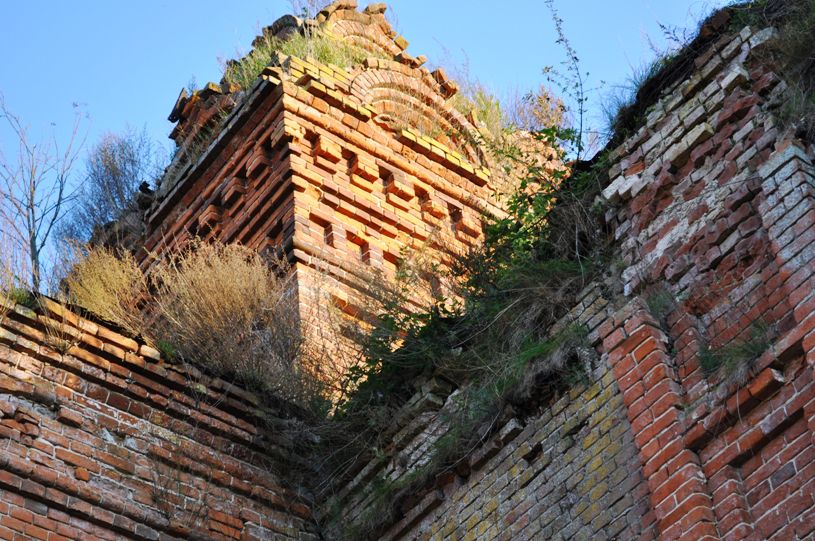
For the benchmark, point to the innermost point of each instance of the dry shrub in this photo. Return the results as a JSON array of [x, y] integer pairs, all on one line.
[[109, 284], [536, 110], [509, 131], [222, 307], [230, 310]]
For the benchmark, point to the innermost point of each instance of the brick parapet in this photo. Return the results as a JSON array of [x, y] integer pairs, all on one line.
[[101, 439]]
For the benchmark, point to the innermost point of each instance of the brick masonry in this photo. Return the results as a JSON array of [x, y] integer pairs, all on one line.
[[570, 471], [99, 439], [712, 205], [332, 165]]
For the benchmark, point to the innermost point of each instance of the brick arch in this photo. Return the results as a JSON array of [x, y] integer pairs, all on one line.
[[377, 38], [367, 29], [413, 101]]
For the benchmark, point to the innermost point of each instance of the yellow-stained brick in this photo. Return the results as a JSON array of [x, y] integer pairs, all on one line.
[[422, 141], [328, 149], [488, 508], [453, 159], [362, 183], [335, 95]]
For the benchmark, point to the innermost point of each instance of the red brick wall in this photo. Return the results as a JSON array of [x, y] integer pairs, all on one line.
[[106, 441], [712, 204], [715, 208]]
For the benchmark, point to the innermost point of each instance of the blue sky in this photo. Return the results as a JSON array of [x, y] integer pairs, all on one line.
[[125, 62]]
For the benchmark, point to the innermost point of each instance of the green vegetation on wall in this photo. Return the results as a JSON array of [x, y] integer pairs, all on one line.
[[315, 43], [493, 339]]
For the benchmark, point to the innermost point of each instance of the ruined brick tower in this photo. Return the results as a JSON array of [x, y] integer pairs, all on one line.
[[342, 168], [696, 420]]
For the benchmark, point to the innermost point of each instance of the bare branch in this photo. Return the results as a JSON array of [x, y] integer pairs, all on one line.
[[35, 187]]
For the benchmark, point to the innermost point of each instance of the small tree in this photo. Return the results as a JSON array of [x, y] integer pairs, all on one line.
[[35, 189], [115, 169], [572, 81]]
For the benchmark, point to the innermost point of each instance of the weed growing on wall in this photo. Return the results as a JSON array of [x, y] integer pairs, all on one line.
[[660, 302], [622, 106], [732, 362], [496, 342], [14, 268], [572, 82], [794, 47], [224, 308], [229, 309], [316, 44], [7, 288], [110, 285], [790, 50], [191, 149]]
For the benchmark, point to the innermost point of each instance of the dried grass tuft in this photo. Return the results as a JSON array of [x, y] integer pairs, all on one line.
[[110, 285], [314, 44], [230, 310]]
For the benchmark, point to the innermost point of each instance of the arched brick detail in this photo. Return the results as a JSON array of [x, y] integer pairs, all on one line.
[[416, 102]]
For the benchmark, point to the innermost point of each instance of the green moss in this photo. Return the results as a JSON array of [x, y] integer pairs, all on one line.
[[23, 297], [168, 350]]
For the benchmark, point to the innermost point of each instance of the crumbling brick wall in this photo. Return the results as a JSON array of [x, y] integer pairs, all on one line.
[[100, 439], [676, 435], [712, 205], [568, 469], [339, 169], [715, 205]]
